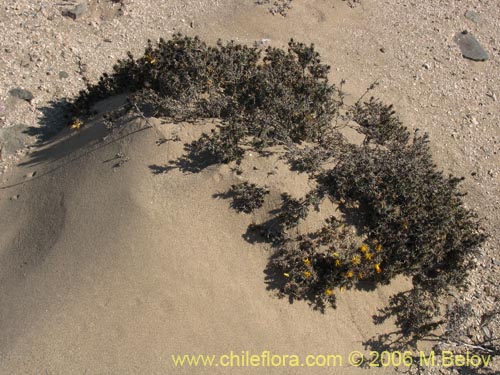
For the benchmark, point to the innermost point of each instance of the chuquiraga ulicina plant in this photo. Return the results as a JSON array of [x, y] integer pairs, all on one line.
[[410, 218]]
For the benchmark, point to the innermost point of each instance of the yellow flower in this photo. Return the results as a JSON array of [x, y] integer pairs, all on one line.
[[329, 292], [286, 274], [349, 274], [361, 275], [150, 59], [76, 125], [336, 255], [368, 256], [364, 248], [405, 224], [338, 263], [307, 274], [377, 268], [356, 260], [379, 247], [307, 262]]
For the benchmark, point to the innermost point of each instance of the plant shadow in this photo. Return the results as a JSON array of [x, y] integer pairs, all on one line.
[[55, 117], [191, 162]]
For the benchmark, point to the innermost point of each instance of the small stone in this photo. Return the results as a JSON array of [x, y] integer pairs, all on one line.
[[487, 332], [470, 47], [488, 290], [31, 175], [426, 66], [14, 197], [13, 139], [473, 16], [77, 12], [492, 96], [382, 50], [474, 121], [63, 74], [21, 94], [107, 40]]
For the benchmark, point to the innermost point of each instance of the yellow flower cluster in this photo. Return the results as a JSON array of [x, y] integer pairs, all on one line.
[[150, 59], [76, 125], [356, 260]]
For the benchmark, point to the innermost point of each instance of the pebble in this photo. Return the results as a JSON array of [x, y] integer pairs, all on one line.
[[473, 16], [492, 96], [63, 74], [470, 47], [77, 12], [21, 94], [13, 139], [487, 332], [14, 197]]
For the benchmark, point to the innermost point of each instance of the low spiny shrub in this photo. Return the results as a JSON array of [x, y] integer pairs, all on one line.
[[263, 98], [247, 197], [410, 218]]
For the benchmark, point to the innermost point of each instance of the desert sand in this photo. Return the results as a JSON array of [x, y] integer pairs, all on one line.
[[113, 269], [109, 268]]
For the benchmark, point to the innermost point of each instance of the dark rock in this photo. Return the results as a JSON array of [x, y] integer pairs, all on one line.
[[473, 16], [470, 47], [77, 12], [13, 139], [63, 74], [21, 94]]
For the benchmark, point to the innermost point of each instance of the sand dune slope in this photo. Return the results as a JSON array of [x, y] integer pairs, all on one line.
[[111, 270]]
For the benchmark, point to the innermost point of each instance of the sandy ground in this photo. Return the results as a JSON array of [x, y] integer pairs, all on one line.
[[118, 268], [110, 270]]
